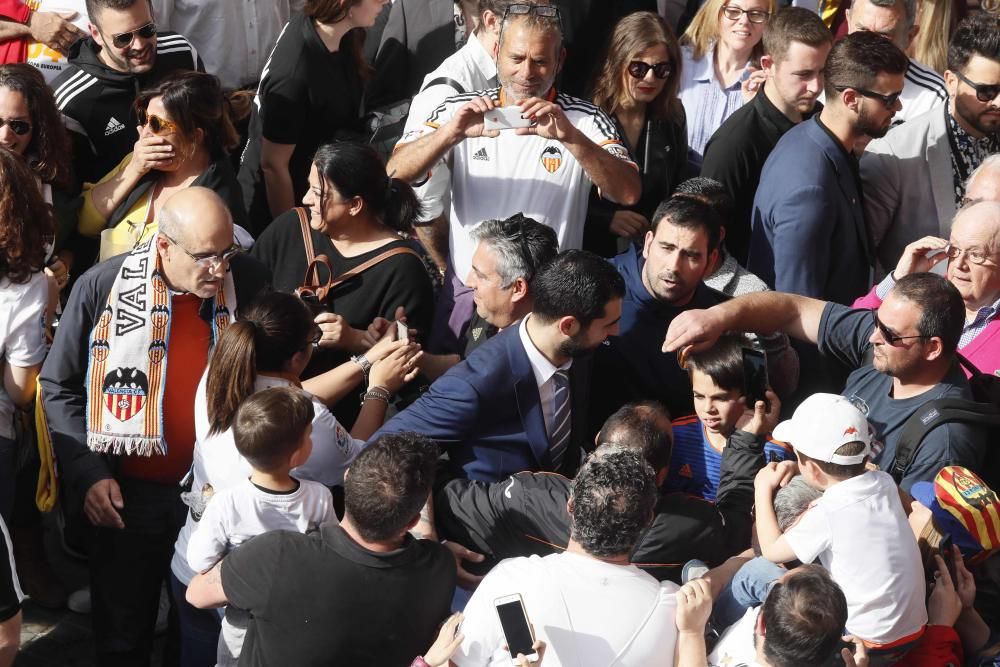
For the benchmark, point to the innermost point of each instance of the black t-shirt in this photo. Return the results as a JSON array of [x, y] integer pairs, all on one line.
[[307, 96], [400, 280], [844, 333], [321, 599]]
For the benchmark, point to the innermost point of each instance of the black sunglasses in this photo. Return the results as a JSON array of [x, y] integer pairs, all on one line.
[[985, 92], [123, 39], [18, 127], [639, 69], [888, 100], [887, 334], [523, 9]]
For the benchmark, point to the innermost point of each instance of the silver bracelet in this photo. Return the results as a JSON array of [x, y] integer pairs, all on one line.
[[376, 393], [366, 366]]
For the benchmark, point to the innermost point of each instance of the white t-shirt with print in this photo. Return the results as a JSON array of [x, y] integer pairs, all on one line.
[[22, 333]]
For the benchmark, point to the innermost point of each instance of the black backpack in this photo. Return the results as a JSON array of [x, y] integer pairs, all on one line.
[[984, 410]]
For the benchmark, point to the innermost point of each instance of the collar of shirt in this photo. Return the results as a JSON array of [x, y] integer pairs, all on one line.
[[984, 314], [484, 61], [703, 69], [540, 366], [770, 114], [851, 157], [967, 152]]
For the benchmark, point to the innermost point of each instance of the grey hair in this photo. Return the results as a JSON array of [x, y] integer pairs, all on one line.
[[909, 5], [521, 245], [991, 161], [792, 500], [534, 22]]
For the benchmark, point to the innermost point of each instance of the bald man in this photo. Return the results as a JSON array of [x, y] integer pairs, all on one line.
[[118, 388], [984, 182]]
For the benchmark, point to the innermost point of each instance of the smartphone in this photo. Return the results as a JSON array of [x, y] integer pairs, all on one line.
[[755, 377], [514, 624], [948, 556], [504, 118], [402, 331]]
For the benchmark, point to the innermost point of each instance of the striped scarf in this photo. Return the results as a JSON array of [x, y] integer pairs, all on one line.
[[128, 361]]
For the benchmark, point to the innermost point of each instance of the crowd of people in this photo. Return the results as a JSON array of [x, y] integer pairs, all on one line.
[[335, 330]]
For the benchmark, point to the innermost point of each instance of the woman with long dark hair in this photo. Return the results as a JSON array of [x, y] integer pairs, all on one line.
[[637, 86], [309, 94], [269, 345], [355, 216]]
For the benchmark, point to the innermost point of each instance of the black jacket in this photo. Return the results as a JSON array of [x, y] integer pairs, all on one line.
[[96, 101], [526, 515], [63, 376]]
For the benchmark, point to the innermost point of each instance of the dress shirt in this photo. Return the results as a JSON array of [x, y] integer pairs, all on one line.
[[544, 370], [706, 103], [967, 153], [234, 37]]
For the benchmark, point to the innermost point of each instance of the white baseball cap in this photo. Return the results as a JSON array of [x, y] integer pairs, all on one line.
[[822, 424]]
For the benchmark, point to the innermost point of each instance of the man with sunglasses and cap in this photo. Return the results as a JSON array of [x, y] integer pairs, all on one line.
[[543, 168], [902, 355], [915, 178], [118, 388], [95, 92]]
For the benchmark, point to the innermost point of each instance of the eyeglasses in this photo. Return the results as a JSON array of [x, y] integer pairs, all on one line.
[[18, 127], [985, 92], [733, 13], [974, 255], [639, 69], [123, 39], [207, 260], [887, 334], [157, 124], [888, 100]]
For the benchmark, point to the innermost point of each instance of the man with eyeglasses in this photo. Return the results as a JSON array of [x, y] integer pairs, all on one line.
[[118, 388], [915, 178], [910, 340], [809, 233], [123, 54], [544, 169]]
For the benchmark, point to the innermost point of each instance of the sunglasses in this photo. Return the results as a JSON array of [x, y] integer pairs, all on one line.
[[156, 124], [888, 100], [639, 69], [985, 92], [123, 39], [888, 334], [733, 13], [523, 9], [18, 127]]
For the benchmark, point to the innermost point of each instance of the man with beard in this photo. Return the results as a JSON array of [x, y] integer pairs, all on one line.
[[809, 234], [915, 178], [543, 170], [123, 54], [519, 401], [911, 338]]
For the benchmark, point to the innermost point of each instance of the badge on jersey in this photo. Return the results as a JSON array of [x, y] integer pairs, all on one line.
[[551, 159]]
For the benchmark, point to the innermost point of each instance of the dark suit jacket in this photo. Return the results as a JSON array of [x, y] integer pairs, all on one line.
[[486, 412], [809, 231]]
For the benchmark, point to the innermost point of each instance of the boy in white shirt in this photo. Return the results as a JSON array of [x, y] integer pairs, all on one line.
[[858, 529], [272, 432]]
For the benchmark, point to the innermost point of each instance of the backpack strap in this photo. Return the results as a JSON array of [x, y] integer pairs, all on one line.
[[444, 81], [933, 414]]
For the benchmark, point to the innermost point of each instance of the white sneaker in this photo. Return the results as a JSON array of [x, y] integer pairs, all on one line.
[[79, 601]]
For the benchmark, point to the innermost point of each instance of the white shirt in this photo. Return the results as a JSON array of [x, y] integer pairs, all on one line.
[[217, 465], [738, 644], [49, 61], [234, 37], [923, 89], [859, 532], [589, 613], [472, 68], [543, 371], [495, 177], [22, 333]]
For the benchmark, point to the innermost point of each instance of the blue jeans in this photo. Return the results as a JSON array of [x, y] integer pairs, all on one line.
[[199, 629], [748, 589]]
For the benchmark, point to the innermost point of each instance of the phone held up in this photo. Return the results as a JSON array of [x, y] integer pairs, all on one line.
[[755, 380], [514, 624]]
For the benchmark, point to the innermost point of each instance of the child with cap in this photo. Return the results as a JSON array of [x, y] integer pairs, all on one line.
[[858, 529], [272, 430]]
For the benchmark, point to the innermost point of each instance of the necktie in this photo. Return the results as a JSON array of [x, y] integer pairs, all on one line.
[[561, 422]]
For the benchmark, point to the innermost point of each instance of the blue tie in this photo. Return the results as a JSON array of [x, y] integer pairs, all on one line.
[[561, 422]]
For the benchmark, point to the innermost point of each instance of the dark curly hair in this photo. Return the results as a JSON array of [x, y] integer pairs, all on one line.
[[26, 224], [49, 150], [613, 497]]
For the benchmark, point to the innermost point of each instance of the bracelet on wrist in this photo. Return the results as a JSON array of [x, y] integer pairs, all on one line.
[[366, 366], [376, 393]]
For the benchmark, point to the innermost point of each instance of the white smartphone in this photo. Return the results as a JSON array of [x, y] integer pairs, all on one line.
[[402, 331], [514, 624], [504, 118]]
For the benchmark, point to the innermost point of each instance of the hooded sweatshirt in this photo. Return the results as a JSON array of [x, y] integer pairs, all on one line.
[[96, 101]]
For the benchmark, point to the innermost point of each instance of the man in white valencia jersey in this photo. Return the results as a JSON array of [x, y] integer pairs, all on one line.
[[123, 54], [543, 171]]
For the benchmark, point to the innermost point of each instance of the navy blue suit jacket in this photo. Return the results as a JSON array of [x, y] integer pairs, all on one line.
[[809, 232], [487, 413]]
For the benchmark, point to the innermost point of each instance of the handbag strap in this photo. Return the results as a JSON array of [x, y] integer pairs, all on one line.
[[307, 238], [322, 291], [377, 259]]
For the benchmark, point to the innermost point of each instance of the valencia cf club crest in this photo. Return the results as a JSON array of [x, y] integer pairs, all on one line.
[[125, 391], [551, 159]]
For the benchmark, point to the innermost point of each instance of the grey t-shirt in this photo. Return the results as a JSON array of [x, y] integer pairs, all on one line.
[[844, 334]]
